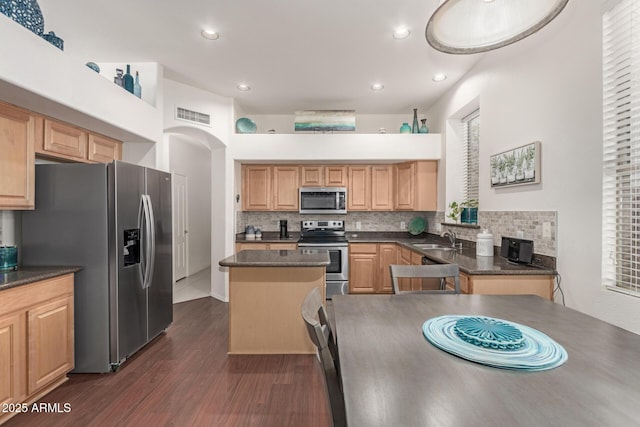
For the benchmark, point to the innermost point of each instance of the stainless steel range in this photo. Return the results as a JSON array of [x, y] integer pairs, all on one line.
[[328, 236]]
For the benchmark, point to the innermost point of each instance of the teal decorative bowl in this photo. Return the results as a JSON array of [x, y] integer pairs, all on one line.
[[245, 125]]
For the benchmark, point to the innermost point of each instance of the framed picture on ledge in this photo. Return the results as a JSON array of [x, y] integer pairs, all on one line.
[[518, 166], [325, 120]]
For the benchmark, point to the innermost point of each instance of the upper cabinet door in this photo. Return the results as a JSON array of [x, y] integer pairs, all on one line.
[[17, 185], [359, 190], [311, 176], [382, 188], [103, 150], [335, 176], [286, 180], [64, 140], [405, 174], [256, 187]]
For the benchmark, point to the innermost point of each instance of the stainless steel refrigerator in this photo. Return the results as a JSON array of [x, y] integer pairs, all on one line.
[[114, 221]]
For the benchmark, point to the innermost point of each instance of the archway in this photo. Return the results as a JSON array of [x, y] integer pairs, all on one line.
[[190, 155]]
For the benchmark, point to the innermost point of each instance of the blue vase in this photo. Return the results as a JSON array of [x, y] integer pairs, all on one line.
[[128, 79], [415, 128], [423, 128], [405, 128], [137, 89]]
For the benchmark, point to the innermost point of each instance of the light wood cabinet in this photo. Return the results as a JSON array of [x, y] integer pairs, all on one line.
[[12, 389], [508, 285], [335, 176], [323, 176], [50, 346], [363, 268], [405, 186], [416, 185], [369, 267], [311, 176], [387, 255], [256, 187], [36, 339], [286, 181], [62, 141], [266, 187], [17, 144], [382, 188], [248, 246], [101, 149], [359, 188]]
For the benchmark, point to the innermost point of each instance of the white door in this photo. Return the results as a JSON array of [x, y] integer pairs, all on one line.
[[180, 231]]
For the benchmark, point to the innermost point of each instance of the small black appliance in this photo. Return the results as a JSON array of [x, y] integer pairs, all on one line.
[[283, 229]]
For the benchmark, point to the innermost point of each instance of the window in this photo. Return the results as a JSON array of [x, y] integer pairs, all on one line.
[[470, 153], [621, 147]]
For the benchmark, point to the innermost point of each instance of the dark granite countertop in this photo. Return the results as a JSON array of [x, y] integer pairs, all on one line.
[[466, 257], [26, 275], [277, 258]]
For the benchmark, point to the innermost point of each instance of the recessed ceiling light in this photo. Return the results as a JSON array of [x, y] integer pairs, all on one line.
[[439, 77], [209, 34], [377, 86], [401, 33], [243, 87]]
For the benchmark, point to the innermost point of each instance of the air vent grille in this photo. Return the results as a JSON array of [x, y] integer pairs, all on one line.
[[193, 116]]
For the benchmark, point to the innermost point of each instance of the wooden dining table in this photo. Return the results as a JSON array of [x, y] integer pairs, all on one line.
[[392, 376]]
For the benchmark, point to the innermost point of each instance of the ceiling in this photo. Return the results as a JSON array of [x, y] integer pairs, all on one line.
[[294, 54]]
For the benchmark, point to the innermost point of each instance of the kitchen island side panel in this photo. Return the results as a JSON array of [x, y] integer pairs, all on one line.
[[265, 309]]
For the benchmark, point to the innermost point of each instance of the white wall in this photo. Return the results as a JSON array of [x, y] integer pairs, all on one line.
[[549, 88], [193, 160], [216, 137]]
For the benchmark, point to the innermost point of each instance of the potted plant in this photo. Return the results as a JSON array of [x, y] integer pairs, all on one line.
[[495, 173], [502, 166], [529, 156], [510, 164], [469, 213], [520, 159], [455, 211]]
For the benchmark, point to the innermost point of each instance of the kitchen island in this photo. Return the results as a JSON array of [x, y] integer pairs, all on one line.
[[266, 290]]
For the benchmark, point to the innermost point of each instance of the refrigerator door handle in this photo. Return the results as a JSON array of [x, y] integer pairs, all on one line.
[[141, 224], [152, 240]]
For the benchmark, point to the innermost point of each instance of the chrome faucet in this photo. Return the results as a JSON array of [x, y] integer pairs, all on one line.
[[452, 237]]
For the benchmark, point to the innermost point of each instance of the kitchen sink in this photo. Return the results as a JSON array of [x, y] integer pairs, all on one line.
[[433, 246]]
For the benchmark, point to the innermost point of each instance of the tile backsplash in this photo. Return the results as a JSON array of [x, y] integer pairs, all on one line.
[[499, 223], [508, 223], [369, 221]]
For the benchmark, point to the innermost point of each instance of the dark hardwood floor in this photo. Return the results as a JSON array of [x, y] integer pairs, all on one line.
[[186, 378]]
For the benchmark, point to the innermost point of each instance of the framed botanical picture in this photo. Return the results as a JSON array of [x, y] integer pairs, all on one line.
[[517, 166]]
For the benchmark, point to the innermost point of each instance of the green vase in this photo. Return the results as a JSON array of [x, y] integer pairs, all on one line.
[[423, 128], [405, 128]]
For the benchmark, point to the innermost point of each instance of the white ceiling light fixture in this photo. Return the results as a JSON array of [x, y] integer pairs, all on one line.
[[472, 26], [243, 87], [377, 86], [210, 34], [439, 77], [401, 33]]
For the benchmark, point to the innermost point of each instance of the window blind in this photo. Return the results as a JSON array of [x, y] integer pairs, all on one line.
[[621, 146], [470, 153]]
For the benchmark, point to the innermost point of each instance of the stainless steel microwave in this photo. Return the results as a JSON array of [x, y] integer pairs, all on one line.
[[323, 200]]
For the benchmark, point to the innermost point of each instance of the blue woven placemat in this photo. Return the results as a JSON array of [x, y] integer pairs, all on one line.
[[494, 342]]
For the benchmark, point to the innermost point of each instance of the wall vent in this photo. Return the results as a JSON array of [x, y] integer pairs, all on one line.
[[193, 116]]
